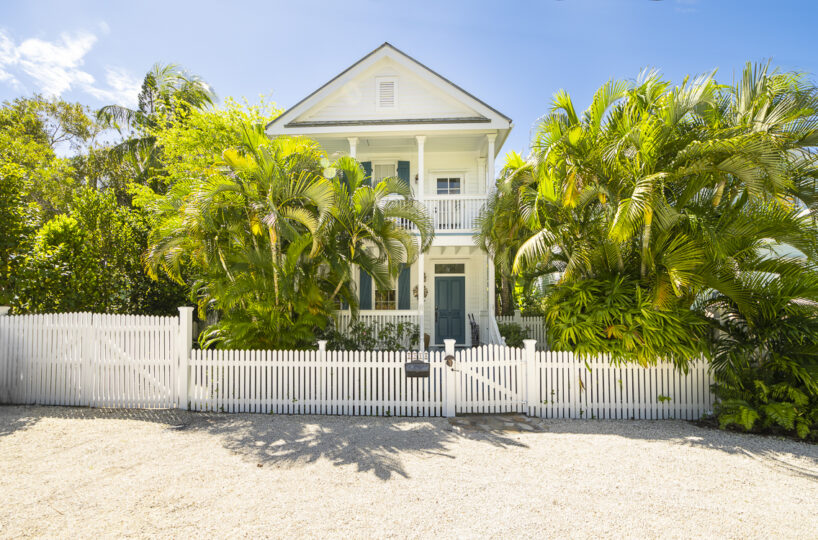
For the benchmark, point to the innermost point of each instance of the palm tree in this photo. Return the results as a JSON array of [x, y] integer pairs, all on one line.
[[272, 238], [676, 188], [168, 93], [372, 227]]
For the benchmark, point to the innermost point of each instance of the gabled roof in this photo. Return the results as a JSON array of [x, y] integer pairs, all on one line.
[[486, 113]]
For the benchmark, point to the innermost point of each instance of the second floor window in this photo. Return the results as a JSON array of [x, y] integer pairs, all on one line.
[[448, 186]]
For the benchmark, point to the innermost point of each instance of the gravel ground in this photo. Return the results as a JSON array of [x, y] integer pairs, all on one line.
[[68, 472]]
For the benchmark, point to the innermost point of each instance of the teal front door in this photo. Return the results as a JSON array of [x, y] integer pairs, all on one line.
[[450, 309]]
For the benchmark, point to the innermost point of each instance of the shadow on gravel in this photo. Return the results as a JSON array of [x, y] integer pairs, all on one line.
[[767, 450], [372, 444]]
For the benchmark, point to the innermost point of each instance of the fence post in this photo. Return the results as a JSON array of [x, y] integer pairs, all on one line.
[[322, 376], [449, 397], [532, 386], [185, 341], [518, 317], [5, 360]]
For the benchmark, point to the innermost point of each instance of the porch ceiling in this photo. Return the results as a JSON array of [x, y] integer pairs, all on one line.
[[404, 143]]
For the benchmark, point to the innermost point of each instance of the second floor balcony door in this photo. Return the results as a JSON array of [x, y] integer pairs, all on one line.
[[449, 209]]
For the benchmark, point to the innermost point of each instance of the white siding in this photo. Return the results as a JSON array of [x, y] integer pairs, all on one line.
[[356, 100]]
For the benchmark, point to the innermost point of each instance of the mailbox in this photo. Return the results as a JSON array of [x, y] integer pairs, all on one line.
[[416, 369]]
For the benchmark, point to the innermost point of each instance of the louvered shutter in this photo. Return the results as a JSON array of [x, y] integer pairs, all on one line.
[[367, 165], [403, 171], [365, 290], [404, 300]]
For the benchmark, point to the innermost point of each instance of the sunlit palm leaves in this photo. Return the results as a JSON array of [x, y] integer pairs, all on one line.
[[272, 240], [679, 189]]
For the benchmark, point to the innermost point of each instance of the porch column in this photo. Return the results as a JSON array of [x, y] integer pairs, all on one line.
[[353, 147], [490, 163], [420, 196], [489, 190]]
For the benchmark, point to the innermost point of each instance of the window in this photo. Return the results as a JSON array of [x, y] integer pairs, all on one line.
[[386, 92], [385, 299], [381, 171], [448, 186], [450, 268]]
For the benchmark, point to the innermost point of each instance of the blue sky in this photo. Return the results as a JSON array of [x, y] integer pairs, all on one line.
[[513, 55]]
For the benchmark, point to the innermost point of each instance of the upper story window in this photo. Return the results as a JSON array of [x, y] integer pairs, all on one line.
[[386, 93], [449, 185]]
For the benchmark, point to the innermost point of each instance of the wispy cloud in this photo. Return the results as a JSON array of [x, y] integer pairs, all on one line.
[[55, 67], [123, 88]]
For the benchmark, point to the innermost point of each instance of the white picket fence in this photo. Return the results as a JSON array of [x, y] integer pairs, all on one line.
[[534, 325], [126, 361], [314, 382], [147, 362]]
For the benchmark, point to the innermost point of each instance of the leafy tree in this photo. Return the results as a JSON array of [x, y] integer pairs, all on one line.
[[35, 184], [656, 196], [90, 260], [168, 94], [257, 232]]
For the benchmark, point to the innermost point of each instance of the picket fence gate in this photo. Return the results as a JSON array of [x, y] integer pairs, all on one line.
[[148, 362]]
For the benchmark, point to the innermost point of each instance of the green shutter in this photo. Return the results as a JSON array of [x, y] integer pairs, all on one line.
[[404, 299], [367, 165], [365, 290], [403, 171]]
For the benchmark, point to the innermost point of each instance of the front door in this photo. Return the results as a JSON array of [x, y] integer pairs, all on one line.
[[450, 309]]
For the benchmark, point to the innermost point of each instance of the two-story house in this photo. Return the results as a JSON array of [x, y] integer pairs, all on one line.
[[400, 118]]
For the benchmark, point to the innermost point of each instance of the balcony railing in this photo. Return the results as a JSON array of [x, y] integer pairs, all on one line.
[[453, 212], [377, 319]]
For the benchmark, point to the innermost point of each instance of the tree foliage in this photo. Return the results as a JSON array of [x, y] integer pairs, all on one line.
[[655, 196], [268, 231]]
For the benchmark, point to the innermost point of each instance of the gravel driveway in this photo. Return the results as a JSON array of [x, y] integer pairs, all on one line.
[[72, 472]]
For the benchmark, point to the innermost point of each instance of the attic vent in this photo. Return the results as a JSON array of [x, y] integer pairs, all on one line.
[[386, 92]]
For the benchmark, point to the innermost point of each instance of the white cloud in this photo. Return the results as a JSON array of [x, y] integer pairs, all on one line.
[[123, 88], [55, 67]]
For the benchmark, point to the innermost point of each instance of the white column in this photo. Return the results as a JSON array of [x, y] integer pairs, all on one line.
[[490, 189], [491, 288], [490, 163], [419, 194], [353, 147]]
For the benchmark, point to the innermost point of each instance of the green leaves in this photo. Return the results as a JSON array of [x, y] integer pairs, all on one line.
[[693, 199]]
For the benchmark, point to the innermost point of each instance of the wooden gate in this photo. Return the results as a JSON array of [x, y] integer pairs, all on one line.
[[134, 362], [90, 359], [490, 379]]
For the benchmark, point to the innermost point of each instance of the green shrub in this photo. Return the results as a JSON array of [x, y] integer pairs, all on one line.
[[616, 316], [765, 362], [514, 333], [361, 336]]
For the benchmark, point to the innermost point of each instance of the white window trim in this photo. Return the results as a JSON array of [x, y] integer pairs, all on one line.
[[378, 81], [450, 174]]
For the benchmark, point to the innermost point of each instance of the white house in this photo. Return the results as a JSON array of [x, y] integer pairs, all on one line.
[[400, 118]]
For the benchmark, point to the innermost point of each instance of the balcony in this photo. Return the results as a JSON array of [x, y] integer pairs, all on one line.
[[453, 213]]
